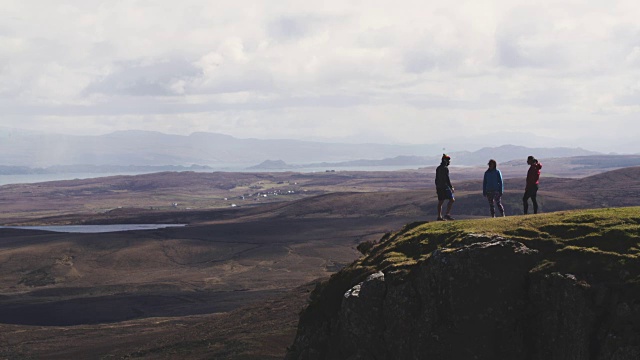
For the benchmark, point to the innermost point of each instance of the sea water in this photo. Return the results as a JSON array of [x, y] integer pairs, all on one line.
[[36, 178]]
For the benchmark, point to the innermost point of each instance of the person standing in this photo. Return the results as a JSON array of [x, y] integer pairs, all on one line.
[[493, 187], [444, 188], [531, 189]]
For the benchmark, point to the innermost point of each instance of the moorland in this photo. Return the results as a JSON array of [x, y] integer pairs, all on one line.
[[231, 283]]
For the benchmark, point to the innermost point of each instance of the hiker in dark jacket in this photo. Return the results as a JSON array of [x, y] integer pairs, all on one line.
[[492, 188], [531, 189], [444, 188]]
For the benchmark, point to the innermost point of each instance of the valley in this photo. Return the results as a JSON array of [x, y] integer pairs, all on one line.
[[233, 280]]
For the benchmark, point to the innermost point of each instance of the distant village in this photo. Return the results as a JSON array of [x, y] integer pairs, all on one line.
[[262, 194]]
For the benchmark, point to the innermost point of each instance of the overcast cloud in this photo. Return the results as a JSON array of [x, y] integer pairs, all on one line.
[[383, 71]]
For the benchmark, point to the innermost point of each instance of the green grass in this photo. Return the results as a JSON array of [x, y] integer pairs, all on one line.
[[599, 241], [609, 230]]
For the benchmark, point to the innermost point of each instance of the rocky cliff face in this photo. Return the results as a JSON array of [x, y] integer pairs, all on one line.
[[489, 299]]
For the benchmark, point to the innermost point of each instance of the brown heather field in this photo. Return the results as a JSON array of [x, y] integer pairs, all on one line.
[[231, 283]]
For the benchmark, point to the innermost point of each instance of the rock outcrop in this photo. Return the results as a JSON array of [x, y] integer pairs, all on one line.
[[489, 299]]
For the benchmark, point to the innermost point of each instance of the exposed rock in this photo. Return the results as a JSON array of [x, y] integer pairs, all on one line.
[[562, 318], [479, 301], [361, 318]]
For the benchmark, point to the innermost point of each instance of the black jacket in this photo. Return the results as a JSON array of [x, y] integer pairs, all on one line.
[[442, 177]]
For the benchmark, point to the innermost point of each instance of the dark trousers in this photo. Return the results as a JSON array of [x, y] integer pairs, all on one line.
[[495, 197], [530, 193]]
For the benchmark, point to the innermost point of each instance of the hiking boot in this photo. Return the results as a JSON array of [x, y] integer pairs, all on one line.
[[439, 219], [448, 217]]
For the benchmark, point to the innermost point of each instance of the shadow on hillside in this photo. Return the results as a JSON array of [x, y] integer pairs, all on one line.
[[121, 307]]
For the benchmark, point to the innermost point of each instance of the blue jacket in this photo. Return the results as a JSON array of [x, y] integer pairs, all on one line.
[[492, 182]]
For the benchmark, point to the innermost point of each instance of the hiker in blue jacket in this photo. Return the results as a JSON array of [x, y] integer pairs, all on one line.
[[493, 187]]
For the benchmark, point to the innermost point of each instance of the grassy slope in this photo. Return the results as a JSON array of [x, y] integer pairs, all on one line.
[[594, 245]]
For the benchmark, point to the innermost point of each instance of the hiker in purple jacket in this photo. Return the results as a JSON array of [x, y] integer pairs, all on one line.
[[493, 187]]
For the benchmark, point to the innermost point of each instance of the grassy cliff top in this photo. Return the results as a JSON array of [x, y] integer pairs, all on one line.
[[597, 246], [603, 243]]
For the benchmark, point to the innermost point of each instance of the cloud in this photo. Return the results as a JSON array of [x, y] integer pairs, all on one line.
[[158, 77], [529, 37], [480, 65], [296, 27]]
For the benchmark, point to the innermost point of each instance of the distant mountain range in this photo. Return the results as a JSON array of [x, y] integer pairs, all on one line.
[[133, 149], [32, 149], [502, 154]]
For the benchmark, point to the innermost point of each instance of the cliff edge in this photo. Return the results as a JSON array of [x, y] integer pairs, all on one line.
[[554, 286]]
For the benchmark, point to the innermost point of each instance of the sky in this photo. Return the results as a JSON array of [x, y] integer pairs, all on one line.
[[557, 73]]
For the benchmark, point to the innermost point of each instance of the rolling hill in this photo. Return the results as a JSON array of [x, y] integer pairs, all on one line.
[[29, 152]]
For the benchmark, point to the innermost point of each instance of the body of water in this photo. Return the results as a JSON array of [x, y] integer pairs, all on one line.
[[91, 229], [37, 178]]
